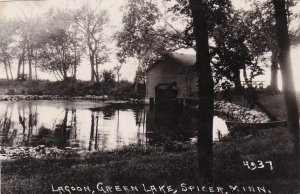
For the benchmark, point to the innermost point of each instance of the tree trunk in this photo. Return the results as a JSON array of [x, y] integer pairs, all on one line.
[[19, 68], [135, 85], [75, 66], [35, 69], [287, 72], [273, 88], [92, 68], [75, 72], [237, 80], [136, 76], [97, 71], [30, 64], [9, 67], [65, 72], [245, 76], [205, 94], [6, 69], [23, 68]]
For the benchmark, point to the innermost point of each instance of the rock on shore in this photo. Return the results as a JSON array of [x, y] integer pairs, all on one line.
[[239, 113]]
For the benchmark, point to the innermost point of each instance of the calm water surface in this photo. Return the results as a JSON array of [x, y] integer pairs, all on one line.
[[92, 125]]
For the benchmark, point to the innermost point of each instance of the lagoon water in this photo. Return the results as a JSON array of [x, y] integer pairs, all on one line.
[[93, 125]]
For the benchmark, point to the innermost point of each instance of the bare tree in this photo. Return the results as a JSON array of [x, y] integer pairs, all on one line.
[[91, 23]]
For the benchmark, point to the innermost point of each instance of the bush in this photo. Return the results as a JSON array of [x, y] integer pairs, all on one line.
[[11, 92], [122, 90], [35, 87], [66, 87], [22, 77]]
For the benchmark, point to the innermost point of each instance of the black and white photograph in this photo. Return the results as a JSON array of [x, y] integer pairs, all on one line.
[[149, 96]]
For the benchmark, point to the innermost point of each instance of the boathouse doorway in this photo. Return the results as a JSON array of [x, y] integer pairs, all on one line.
[[165, 93]]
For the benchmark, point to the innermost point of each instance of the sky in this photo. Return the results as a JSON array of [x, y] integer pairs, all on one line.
[[17, 9]]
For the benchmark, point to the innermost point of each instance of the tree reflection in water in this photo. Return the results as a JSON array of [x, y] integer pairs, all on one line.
[[169, 123], [32, 123]]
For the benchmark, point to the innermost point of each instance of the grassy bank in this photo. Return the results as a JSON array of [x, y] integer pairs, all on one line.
[[118, 90], [157, 165], [274, 103]]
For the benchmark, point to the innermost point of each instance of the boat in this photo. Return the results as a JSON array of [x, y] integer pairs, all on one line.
[[252, 128]]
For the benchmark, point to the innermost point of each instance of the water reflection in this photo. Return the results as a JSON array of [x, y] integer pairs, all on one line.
[[173, 123], [92, 125], [167, 124]]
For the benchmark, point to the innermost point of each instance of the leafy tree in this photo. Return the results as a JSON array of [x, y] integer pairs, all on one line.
[[146, 35], [138, 37], [108, 80], [231, 51], [262, 37], [61, 49], [91, 23], [20, 51], [217, 14], [57, 55], [29, 39], [7, 39], [144, 38], [228, 33], [287, 72], [108, 76], [138, 29], [238, 39]]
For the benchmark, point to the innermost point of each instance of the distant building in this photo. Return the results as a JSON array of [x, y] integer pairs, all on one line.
[[175, 70]]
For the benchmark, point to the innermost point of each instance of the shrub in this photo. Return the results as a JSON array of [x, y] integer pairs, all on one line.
[[11, 92], [121, 90], [22, 77]]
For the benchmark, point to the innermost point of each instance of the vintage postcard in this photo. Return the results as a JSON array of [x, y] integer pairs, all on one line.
[[149, 96]]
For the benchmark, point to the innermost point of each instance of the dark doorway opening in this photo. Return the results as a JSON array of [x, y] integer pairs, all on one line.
[[165, 93]]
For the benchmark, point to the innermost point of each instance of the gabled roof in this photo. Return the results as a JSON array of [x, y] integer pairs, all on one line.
[[187, 60], [184, 59]]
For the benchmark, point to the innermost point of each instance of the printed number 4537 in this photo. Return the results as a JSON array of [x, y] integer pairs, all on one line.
[[258, 164]]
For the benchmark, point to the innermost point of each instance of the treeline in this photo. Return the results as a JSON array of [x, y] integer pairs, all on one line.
[[239, 40], [55, 42], [58, 41]]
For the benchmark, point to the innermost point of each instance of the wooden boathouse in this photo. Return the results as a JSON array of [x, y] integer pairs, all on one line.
[[172, 76]]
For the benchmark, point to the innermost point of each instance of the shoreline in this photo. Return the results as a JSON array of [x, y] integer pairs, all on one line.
[[103, 98]]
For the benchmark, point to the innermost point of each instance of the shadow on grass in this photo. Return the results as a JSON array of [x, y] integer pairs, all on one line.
[[134, 165]]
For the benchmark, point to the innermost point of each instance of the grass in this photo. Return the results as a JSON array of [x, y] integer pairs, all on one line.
[[9, 86], [128, 165], [274, 103], [134, 165]]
